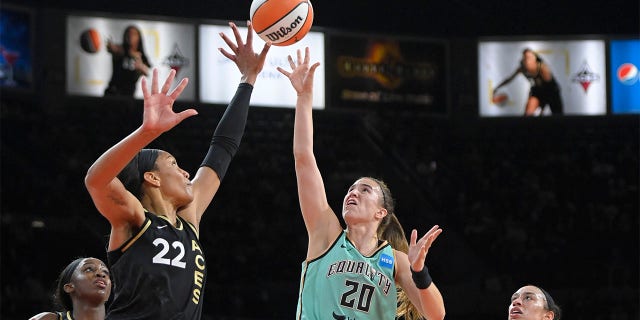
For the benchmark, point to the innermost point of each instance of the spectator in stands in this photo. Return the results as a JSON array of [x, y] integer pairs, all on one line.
[[544, 88], [533, 303], [129, 62], [82, 289], [154, 209], [352, 273]]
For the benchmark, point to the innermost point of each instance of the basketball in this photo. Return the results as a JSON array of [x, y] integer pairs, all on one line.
[[90, 41], [500, 99], [283, 22]]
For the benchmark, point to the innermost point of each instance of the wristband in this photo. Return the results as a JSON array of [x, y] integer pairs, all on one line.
[[422, 279]]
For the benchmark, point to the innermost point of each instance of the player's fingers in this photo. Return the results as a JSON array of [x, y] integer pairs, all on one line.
[[168, 81], [291, 63], [236, 33], [265, 49], [186, 114], [154, 81], [229, 43], [145, 89], [249, 33], [178, 90], [306, 55], [414, 237], [227, 54], [286, 73]]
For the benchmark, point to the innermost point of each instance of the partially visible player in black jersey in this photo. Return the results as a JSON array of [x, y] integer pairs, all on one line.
[[545, 90], [82, 289], [157, 263]]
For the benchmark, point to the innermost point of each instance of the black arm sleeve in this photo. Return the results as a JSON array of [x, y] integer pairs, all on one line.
[[228, 133]]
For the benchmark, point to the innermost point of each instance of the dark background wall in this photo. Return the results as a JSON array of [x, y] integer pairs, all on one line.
[[550, 201]]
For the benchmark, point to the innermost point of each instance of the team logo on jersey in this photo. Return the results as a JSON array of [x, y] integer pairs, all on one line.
[[585, 77], [386, 261], [627, 74]]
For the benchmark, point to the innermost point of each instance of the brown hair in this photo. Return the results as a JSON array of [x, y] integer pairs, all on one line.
[[391, 230]]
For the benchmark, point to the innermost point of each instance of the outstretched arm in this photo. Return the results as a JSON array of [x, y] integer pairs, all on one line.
[[229, 131], [321, 222], [114, 202], [414, 278], [507, 80]]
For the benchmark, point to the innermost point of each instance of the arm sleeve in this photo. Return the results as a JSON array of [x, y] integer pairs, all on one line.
[[228, 134]]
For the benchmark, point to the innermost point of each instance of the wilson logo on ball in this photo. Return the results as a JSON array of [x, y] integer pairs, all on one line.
[[283, 22]]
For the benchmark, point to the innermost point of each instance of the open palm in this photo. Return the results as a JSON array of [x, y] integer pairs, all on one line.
[[418, 249], [158, 104]]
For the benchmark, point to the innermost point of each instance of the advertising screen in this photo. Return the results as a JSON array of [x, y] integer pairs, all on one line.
[[107, 56], [380, 72], [16, 32], [219, 76], [625, 80], [534, 78]]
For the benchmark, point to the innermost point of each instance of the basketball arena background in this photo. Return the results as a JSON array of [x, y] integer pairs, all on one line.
[[550, 200]]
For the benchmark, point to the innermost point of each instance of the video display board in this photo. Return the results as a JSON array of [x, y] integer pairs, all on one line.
[[383, 72], [545, 77], [107, 56], [219, 76], [625, 80], [16, 43]]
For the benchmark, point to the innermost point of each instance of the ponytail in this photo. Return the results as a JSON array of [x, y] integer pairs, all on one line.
[[391, 230]]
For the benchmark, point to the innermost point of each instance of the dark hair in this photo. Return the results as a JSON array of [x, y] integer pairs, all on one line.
[[60, 297], [133, 173], [551, 304], [126, 42]]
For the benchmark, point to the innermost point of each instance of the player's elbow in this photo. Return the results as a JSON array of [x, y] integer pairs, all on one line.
[[303, 154], [90, 180], [435, 315], [436, 312]]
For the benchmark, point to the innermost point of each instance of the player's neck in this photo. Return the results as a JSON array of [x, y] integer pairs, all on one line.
[[365, 241], [161, 208]]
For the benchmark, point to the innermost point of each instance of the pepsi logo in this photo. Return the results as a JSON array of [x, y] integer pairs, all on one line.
[[628, 74]]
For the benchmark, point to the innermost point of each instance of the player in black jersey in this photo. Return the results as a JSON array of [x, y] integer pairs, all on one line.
[[545, 90], [157, 263], [82, 289]]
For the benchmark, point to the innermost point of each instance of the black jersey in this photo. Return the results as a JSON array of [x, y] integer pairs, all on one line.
[[159, 273], [547, 92], [125, 76], [64, 315]]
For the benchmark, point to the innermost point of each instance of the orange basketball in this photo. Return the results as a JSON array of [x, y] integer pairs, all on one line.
[[90, 40], [283, 22], [500, 99]]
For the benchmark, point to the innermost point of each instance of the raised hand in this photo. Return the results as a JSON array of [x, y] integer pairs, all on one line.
[[418, 250], [301, 76], [249, 63], [158, 104]]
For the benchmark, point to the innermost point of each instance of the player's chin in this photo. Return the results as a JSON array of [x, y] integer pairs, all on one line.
[[187, 198]]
